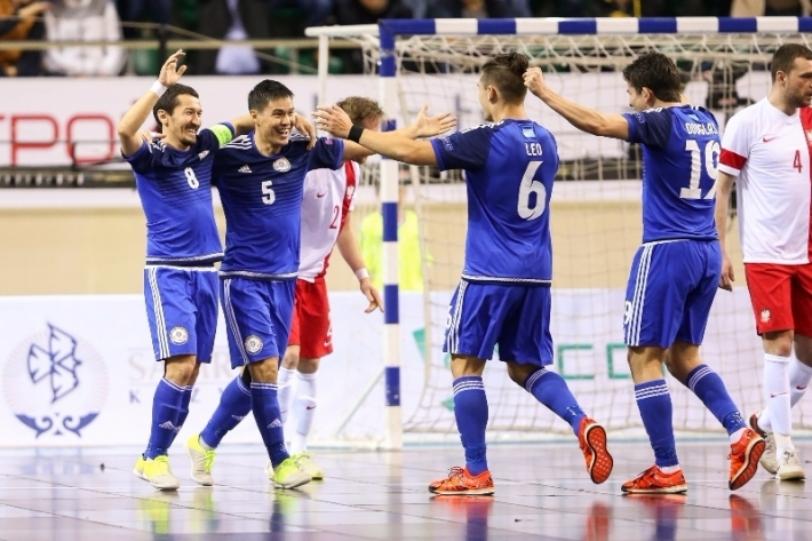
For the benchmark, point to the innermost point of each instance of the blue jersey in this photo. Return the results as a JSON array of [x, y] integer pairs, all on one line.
[[680, 158], [509, 171], [262, 200], [175, 190]]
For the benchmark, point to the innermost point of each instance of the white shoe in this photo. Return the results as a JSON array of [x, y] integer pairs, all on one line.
[[202, 460], [305, 462], [769, 460], [288, 474], [789, 467], [156, 471]]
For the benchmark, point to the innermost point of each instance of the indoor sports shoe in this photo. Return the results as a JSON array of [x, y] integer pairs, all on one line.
[[789, 467], [744, 457], [138, 468], [769, 460], [288, 474], [656, 481], [459, 481], [156, 471], [305, 462], [202, 460], [592, 440]]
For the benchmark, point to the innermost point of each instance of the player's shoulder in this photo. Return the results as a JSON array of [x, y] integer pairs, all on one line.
[[747, 120]]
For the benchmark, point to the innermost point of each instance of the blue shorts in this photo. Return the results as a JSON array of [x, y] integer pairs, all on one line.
[[182, 310], [257, 314], [670, 292], [516, 317]]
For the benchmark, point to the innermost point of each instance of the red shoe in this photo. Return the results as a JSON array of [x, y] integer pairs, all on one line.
[[592, 439], [459, 481], [744, 457], [656, 481]]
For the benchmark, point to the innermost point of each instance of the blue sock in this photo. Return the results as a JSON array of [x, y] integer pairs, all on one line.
[[471, 413], [654, 403], [266, 412], [182, 413], [166, 407], [235, 404], [709, 387], [550, 389]]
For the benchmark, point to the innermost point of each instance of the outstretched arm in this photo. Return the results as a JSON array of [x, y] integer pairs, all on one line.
[[132, 120], [580, 116], [351, 252], [724, 183], [398, 146]]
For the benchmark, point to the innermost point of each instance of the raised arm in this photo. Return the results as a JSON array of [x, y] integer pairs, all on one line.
[[351, 252], [724, 184], [580, 116], [398, 146], [132, 120]]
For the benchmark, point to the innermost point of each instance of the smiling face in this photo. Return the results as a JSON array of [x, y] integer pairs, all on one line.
[[275, 121], [182, 124]]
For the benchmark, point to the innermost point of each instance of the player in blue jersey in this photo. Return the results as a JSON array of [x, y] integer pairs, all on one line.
[[260, 177], [676, 270], [504, 295], [173, 178]]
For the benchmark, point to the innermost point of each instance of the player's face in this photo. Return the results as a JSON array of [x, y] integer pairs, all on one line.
[[275, 122], [799, 83], [184, 122], [638, 99]]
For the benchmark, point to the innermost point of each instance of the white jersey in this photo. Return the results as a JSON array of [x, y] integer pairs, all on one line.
[[769, 152], [328, 195]]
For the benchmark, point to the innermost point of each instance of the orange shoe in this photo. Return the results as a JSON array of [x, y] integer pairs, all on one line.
[[744, 457], [459, 481], [592, 439], [655, 481]]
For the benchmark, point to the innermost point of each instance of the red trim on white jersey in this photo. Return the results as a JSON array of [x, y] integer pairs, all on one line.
[[731, 159]]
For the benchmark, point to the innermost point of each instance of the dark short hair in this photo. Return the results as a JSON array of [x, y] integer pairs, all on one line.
[[656, 72], [359, 108], [169, 100], [506, 72], [784, 57], [265, 92]]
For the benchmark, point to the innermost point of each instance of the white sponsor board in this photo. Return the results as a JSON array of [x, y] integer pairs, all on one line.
[[79, 370]]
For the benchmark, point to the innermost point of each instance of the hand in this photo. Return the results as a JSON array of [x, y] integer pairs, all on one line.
[[372, 296], [428, 126], [727, 278], [534, 81], [334, 120], [304, 126], [33, 9], [170, 72]]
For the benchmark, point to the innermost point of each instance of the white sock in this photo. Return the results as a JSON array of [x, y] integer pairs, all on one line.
[[304, 407], [776, 392], [284, 383], [736, 436], [799, 376]]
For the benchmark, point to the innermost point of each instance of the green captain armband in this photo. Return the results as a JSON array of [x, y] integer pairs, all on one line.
[[223, 133]]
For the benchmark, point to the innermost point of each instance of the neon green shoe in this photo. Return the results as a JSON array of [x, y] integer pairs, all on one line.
[[157, 472], [202, 460], [288, 474], [138, 469], [305, 462]]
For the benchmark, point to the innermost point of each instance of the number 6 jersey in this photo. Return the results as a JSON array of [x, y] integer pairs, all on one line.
[[768, 151]]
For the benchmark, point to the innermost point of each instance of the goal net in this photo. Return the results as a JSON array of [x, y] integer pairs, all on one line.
[[595, 208]]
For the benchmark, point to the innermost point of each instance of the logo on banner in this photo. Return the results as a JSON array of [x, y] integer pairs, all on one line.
[[55, 383]]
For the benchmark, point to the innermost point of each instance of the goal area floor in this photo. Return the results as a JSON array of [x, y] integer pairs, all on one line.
[[542, 492]]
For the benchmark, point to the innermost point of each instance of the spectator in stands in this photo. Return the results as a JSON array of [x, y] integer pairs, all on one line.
[[84, 20], [479, 8], [365, 12], [757, 8], [19, 20]]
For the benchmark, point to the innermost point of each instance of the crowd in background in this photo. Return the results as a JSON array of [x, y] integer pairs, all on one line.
[[112, 20]]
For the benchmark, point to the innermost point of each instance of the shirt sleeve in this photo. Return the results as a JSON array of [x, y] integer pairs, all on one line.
[[217, 136], [651, 128], [141, 159], [463, 150], [735, 146], [328, 153]]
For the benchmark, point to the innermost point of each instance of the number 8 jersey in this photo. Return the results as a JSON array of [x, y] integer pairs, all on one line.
[[509, 171], [680, 160]]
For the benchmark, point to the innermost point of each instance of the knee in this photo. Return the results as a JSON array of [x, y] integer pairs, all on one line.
[[308, 366], [520, 372], [265, 371], [779, 344], [182, 370], [291, 359]]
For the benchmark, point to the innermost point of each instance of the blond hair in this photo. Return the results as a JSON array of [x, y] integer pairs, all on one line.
[[360, 109]]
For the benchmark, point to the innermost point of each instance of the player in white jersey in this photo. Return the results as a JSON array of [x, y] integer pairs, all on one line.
[[767, 147]]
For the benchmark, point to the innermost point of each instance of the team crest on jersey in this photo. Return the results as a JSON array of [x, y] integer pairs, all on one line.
[[282, 165], [253, 344], [766, 315], [203, 155], [178, 335]]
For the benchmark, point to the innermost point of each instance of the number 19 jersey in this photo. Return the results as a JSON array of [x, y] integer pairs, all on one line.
[[680, 160], [509, 171]]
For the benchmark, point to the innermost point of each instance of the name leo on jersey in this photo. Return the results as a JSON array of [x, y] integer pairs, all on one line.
[[695, 128], [533, 149]]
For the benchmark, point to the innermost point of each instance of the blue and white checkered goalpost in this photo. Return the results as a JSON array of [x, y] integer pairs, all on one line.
[[595, 205]]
